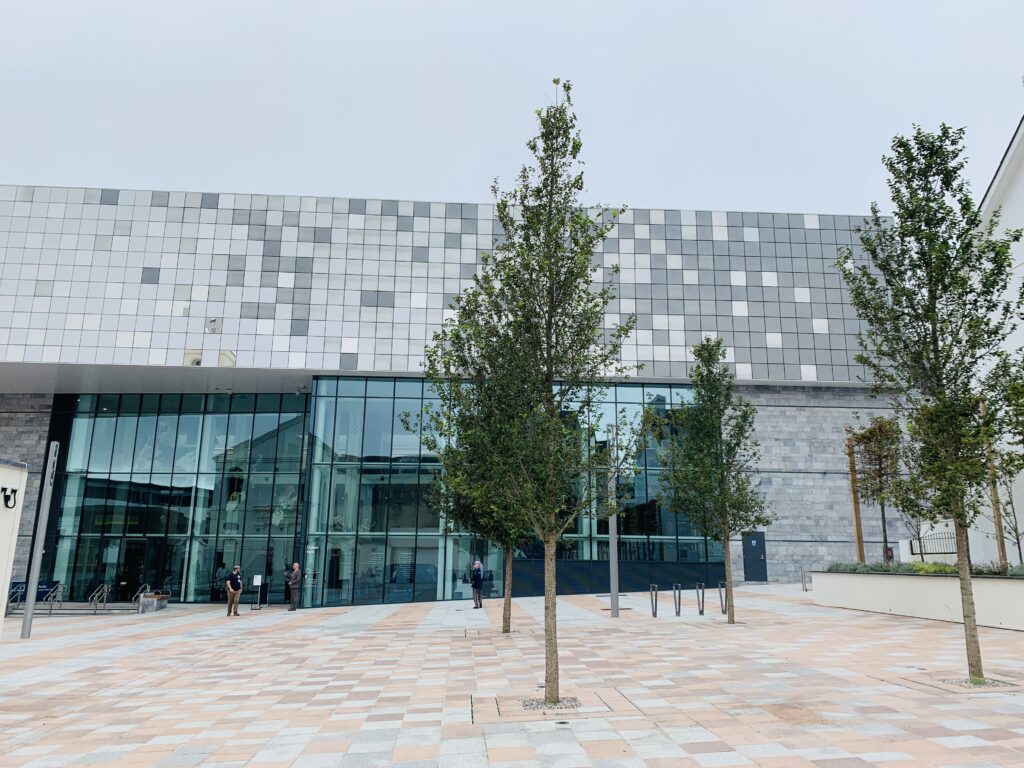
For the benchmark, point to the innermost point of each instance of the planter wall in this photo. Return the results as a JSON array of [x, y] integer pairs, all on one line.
[[998, 602]]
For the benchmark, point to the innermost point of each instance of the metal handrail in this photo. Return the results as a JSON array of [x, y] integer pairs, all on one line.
[[138, 595], [55, 597], [15, 597], [99, 597]]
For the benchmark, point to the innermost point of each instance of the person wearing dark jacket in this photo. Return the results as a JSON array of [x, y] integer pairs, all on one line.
[[477, 580], [234, 589], [294, 586]]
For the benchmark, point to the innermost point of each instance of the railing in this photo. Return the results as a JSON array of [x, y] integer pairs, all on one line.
[[934, 544], [138, 595], [98, 599], [15, 598], [55, 597]]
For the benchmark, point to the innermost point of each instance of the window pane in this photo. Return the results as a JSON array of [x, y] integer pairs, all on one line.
[[400, 569], [204, 513], [374, 487], [285, 505], [338, 570], [124, 444], [163, 449], [377, 430], [348, 432], [405, 445], [323, 429], [345, 500], [404, 496], [102, 443], [186, 450], [428, 568], [231, 504], [211, 454], [145, 438], [289, 442], [263, 451], [258, 499], [78, 445], [369, 581], [236, 453], [319, 499]]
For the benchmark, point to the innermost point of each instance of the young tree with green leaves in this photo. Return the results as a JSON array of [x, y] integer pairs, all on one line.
[[710, 459], [932, 290], [468, 434], [530, 332], [877, 452]]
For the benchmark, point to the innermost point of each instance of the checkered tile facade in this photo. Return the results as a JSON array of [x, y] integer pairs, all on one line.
[[123, 277]]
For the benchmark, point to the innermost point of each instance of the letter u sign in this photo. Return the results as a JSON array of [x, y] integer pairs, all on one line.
[[10, 497]]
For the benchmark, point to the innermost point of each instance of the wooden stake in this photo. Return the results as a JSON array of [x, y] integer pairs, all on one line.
[[858, 531], [997, 509]]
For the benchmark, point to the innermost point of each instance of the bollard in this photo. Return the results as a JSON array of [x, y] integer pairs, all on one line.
[[803, 578], [654, 600], [677, 597], [723, 596], [699, 589]]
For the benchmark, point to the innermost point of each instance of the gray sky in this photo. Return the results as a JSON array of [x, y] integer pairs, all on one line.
[[763, 106]]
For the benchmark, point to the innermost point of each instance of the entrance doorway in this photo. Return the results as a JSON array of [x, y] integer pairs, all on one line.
[[755, 565]]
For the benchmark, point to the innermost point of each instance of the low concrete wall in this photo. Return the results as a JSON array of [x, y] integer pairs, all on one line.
[[998, 602]]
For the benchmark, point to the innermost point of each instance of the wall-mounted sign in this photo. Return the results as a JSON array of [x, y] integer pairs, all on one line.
[[13, 481]]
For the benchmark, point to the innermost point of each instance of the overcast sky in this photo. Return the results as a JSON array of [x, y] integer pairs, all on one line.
[[760, 106]]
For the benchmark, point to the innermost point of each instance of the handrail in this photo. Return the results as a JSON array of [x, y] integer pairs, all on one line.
[[138, 595], [99, 596], [15, 597], [55, 597]]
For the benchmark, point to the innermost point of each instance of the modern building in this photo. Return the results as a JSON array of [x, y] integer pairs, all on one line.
[[226, 376]]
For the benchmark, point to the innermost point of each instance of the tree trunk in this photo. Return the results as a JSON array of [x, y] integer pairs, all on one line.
[[729, 610], [885, 536], [506, 613], [920, 544], [551, 695], [974, 667], [858, 531]]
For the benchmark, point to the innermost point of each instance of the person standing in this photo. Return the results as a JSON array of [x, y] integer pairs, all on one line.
[[477, 580], [234, 588], [294, 586]]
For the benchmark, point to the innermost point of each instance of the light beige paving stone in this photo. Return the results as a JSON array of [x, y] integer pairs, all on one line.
[[420, 685]]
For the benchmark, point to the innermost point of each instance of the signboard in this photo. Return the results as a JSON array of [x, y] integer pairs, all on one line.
[[257, 580], [13, 483]]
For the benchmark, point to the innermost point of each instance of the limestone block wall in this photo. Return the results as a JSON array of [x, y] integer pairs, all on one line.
[[804, 472], [24, 422]]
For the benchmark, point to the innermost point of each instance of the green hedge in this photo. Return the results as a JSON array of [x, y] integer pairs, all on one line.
[[979, 569]]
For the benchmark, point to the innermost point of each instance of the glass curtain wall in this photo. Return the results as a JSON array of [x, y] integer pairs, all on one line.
[[373, 534], [171, 491]]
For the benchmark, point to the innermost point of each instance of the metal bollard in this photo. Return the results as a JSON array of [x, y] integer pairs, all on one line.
[[677, 597], [654, 600], [699, 589], [803, 578], [723, 596]]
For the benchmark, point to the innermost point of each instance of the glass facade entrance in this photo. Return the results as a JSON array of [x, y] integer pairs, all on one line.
[[171, 491]]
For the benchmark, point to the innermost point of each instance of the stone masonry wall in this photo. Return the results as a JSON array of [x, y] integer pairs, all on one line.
[[24, 422], [804, 471]]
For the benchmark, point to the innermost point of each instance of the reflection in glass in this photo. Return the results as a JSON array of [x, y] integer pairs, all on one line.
[[348, 432], [338, 570]]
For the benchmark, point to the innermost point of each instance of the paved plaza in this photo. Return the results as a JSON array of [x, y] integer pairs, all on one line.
[[436, 684]]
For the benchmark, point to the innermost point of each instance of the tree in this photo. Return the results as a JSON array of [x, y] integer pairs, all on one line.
[[710, 462], [877, 452], [931, 290], [532, 327], [468, 434]]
